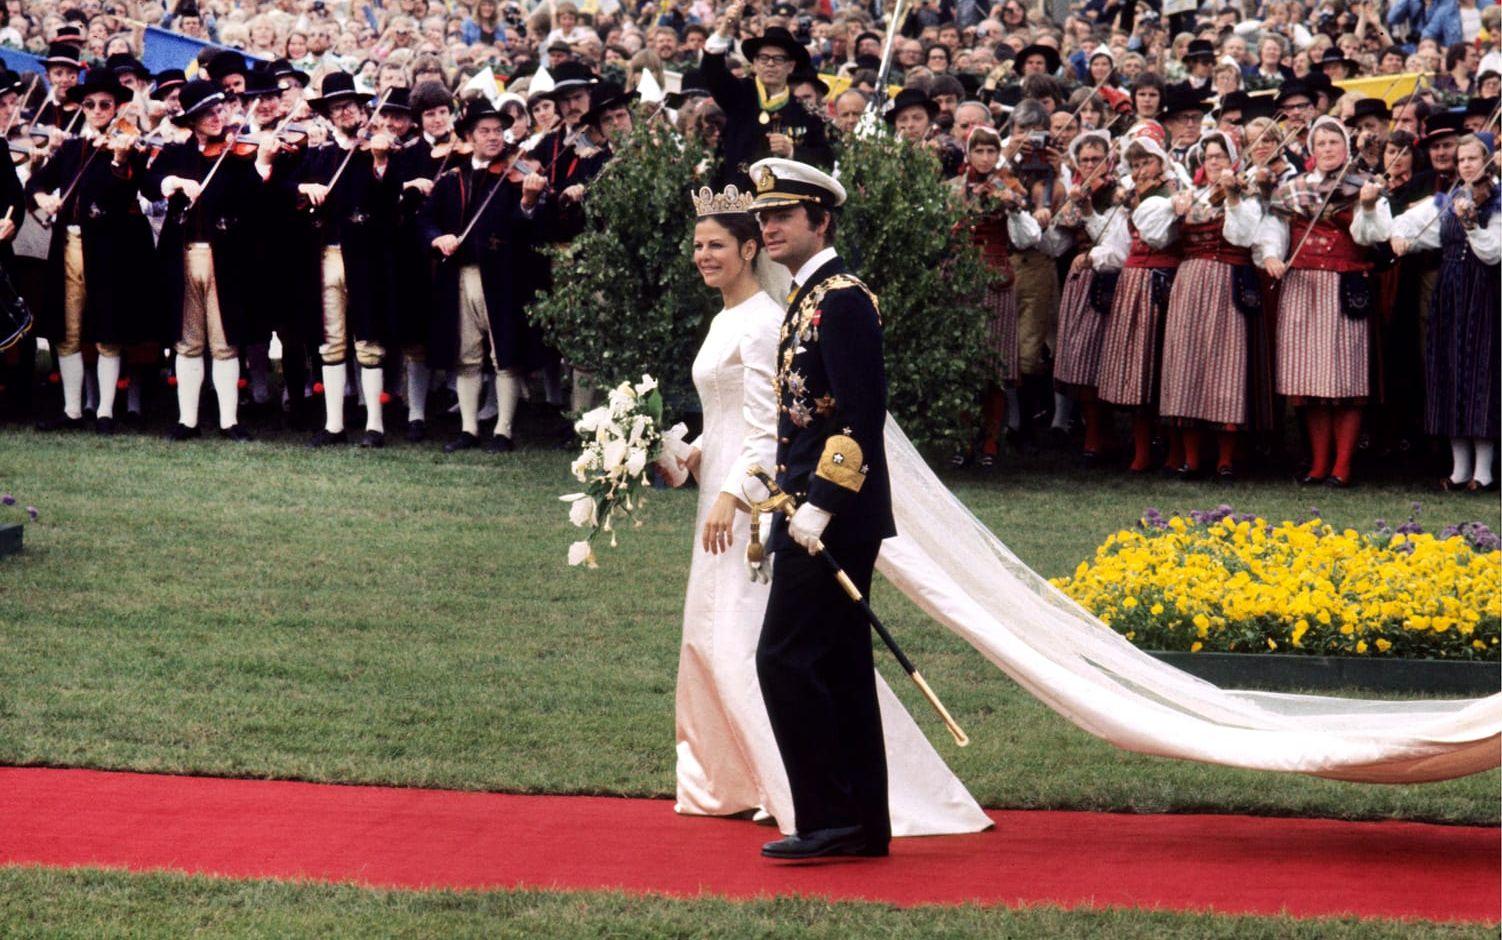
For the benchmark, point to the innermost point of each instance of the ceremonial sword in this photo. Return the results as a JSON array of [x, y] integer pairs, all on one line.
[[778, 501]]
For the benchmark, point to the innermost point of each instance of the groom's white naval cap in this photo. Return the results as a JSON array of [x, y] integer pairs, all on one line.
[[780, 182]]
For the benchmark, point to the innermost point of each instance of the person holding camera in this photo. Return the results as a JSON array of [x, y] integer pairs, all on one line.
[[761, 118]]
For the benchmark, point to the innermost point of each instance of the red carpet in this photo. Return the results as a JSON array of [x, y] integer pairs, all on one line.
[[433, 838]]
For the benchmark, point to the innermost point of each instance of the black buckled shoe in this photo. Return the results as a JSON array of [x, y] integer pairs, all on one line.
[[373, 440], [465, 441], [181, 432], [60, 423], [820, 843], [236, 433], [417, 432], [499, 444], [327, 438]]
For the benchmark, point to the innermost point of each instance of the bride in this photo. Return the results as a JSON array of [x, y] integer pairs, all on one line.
[[728, 762]]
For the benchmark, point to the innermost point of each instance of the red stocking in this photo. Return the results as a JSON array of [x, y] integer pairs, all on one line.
[[1142, 441], [1347, 433], [1317, 418]]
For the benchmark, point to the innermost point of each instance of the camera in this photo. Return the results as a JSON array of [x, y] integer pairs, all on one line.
[[805, 28]]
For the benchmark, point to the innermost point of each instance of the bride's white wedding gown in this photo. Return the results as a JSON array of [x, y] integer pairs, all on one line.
[[727, 758]]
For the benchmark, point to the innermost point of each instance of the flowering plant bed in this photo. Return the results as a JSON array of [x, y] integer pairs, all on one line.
[[1219, 581]]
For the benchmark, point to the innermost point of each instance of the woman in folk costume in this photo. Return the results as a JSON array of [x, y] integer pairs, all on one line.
[[1132, 347], [1267, 165], [1205, 349], [1461, 371], [996, 206], [1085, 306], [1314, 238]]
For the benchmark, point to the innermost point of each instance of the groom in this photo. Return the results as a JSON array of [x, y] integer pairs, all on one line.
[[814, 656]]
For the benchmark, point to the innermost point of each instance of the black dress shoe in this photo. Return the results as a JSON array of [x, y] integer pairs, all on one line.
[[1310, 479], [1186, 473], [465, 441], [499, 444], [1225, 474], [373, 440], [236, 433], [847, 840], [327, 438], [105, 426], [417, 432], [60, 423], [1337, 483], [181, 432]]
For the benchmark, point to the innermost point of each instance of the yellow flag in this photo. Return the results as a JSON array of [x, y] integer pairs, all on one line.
[[1387, 87]]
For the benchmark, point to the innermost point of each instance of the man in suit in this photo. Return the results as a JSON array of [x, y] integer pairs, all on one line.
[[814, 655]]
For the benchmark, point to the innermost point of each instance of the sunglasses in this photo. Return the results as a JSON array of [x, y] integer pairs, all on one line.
[[97, 105]]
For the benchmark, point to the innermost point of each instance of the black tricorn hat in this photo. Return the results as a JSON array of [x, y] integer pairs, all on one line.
[[196, 97], [337, 86], [604, 97], [224, 64], [910, 98], [477, 110], [778, 38], [166, 80], [1049, 53], [99, 81]]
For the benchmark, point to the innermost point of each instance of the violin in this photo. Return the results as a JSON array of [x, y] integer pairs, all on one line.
[[234, 148], [1001, 187], [1142, 188], [450, 148]]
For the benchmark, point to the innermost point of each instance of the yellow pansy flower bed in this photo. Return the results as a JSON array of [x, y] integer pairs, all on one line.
[[1221, 582]]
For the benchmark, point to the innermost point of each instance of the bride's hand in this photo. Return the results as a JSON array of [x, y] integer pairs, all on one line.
[[717, 536], [691, 462]]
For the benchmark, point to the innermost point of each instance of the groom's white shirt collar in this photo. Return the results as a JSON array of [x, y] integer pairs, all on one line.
[[812, 265]]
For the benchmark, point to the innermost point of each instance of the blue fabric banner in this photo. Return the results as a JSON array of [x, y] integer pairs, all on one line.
[[164, 49], [18, 61]]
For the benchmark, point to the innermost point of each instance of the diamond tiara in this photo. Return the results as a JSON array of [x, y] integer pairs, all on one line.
[[709, 202]]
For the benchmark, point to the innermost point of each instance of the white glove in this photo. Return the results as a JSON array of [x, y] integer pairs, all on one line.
[[761, 571], [807, 526]]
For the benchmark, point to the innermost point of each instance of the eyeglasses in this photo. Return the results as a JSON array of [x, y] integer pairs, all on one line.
[[772, 60], [97, 105]]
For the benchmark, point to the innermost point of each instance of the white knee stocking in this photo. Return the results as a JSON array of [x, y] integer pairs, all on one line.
[[372, 380], [333, 398], [467, 384], [227, 390], [70, 369], [109, 378], [189, 387]]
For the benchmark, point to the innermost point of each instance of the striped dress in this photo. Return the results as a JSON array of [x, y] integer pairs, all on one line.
[[1082, 327], [1133, 342], [1321, 352], [999, 236], [1205, 348]]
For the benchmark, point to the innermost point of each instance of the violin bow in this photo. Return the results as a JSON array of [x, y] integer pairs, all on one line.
[[485, 203], [374, 112], [1324, 204]]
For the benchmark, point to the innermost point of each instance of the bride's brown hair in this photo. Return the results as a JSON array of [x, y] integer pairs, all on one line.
[[742, 227]]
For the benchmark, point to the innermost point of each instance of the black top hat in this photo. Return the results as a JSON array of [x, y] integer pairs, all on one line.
[[197, 97], [1369, 107], [1333, 56], [1180, 99], [427, 96], [260, 84], [606, 96], [1049, 53], [123, 63], [337, 86], [476, 110], [281, 68], [63, 53], [778, 38], [99, 81], [10, 81], [910, 98], [398, 100], [1235, 101], [223, 64], [1442, 125], [166, 80], [862, 37], [809, 77], [1481, 106], [1199, 49], [571, 76], [1258, 106], [1294, 88], [71, 33], [1319, 83]]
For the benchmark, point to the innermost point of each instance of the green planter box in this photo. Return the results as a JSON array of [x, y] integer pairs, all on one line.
[[1316, 673], [10, 538]]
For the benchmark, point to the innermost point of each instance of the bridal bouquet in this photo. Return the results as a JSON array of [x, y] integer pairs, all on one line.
[[620, 441]]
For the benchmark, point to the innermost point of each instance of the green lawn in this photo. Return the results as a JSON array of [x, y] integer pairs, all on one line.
[[406, 617], [92, 904]]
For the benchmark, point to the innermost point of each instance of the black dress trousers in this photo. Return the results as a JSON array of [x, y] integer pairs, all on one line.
[[815, 665]]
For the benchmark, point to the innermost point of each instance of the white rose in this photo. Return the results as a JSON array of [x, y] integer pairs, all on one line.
[[579, 554], [646, 385], [615, 453], [591, 420], [636, 461], [581, 511]]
